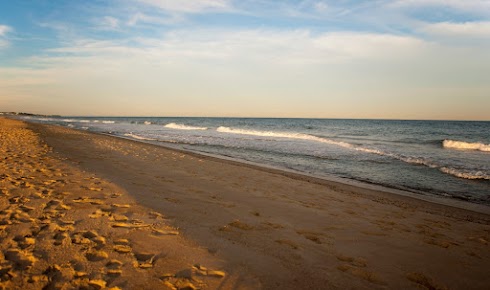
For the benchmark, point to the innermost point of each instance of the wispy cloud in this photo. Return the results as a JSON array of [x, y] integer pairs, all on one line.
[[4, 29], [477, 29], [109, 23], [189, 6], [298, 47], [144, 18], [475, 6]]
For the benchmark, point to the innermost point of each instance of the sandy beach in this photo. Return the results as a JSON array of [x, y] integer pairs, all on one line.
[[90, 211]]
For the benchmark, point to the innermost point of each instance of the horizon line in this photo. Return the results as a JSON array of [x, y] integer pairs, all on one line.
[[235, 117]]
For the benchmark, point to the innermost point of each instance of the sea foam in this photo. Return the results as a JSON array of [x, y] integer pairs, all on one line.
[[183, 127], [134, 136], [466, 145], [272, 134], [466, 174]]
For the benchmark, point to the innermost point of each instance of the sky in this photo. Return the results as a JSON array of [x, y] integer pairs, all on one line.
[[399, 59]]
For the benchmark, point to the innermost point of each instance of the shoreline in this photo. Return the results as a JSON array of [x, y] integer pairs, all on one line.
[[319, 179], [369, 189], [432, 194], [335, 180], [261, 228]]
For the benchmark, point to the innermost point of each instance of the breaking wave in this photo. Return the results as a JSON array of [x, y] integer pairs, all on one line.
[[466, 174], [183, 127], [138, 137], [465, 145], [282, 135]]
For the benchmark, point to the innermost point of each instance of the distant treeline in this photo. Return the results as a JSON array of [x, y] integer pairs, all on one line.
[[27, 114]]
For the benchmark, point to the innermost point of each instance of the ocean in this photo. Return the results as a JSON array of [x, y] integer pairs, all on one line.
[[442, 159]]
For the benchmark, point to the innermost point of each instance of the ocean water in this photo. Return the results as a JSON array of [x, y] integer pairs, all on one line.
[[446, 159]]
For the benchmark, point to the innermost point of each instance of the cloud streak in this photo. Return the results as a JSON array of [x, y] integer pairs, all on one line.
[[474, 6], [477, 29], [188, 6], [4, 29], [109, 23], [281, 47]]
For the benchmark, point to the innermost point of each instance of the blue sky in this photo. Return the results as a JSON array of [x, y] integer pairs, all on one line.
[[402, 59]]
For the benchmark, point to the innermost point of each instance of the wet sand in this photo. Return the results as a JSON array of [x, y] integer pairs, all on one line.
[[88, 210]]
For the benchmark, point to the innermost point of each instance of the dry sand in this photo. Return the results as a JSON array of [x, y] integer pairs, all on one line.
[[79, 209]]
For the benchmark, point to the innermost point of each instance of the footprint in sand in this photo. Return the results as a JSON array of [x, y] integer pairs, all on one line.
[[121, 242], [424, 281], [114, 264], [66, 222], [18, 200], [117, 205], [158, 232], [119, 218], [144, 260], [98, 214], [356, 267], [186, 278], [94, 201], [289, 243], [122, 246], [114, 272], [240, 225], [312, 236], [115, 195], [122, 249], [155, 215], [22, 260], [130, 226], [60, 238], [26, 208], [94, 255], [358, 262], [80, 240], [361, 273], [482, 240], [20, 216], [24, 241]]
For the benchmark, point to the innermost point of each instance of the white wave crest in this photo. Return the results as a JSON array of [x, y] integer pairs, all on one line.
[[138, 137], [148, 123], [108, 122], [465, 145], [465, 174], [407, 159], [282, 135], [183, 127]]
